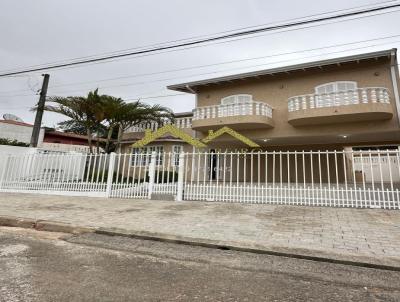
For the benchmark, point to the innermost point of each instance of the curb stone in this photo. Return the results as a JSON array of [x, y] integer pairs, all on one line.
[[10, 221], [52, 226], [43, 225]]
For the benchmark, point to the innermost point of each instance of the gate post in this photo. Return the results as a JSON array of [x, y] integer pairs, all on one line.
[[110, 173], [152, 171], [181, 174]]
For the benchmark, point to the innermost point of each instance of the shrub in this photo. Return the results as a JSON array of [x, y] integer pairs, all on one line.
[[9, 142]]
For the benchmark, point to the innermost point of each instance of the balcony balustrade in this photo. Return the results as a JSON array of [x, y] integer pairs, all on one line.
[[368, 103], [243, 115], [181, 123]]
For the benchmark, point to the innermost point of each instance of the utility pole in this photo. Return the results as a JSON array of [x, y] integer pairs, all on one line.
[[39, 112]]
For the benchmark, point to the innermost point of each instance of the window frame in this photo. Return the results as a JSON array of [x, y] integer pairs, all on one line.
[[176, 154], [236, 99], [335, 86], [145, 160]]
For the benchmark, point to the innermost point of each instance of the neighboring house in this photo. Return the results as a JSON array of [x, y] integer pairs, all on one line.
[[63, 141], [49, 139], [20, 131]]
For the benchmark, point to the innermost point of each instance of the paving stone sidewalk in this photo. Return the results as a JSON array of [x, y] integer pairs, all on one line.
[[362, 235]]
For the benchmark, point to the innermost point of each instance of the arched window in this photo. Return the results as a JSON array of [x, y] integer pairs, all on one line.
[[238, 104], [237, 99], [335, 87]]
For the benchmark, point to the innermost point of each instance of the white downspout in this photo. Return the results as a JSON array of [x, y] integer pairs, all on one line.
[[395, 86]]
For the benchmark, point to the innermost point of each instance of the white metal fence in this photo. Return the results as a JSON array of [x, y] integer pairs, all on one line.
[[55, 173], [364, 179]]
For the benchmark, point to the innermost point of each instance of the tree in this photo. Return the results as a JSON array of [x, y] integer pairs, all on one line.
[[85, 113], [114, 111], [132, 114], [104, 115]]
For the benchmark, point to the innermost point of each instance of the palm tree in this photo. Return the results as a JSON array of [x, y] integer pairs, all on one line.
[[114, 110], [104, 114], [132, 114], [84, 113]]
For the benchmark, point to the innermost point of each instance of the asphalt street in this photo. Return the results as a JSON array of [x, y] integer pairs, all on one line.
[[43, 266]]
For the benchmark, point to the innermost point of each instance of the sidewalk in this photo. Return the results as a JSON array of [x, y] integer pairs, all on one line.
[[357, 235]]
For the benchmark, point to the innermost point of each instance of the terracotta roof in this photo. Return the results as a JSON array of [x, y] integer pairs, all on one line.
[[166, 138], [16, 123], [74, 135]]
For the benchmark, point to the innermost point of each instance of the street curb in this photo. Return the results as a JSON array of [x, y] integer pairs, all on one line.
[[17, 222], [43, 225], [227, 246], [52, 226]]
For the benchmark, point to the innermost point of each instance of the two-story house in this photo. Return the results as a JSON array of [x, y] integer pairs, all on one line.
[[309, 121], [336, 103]]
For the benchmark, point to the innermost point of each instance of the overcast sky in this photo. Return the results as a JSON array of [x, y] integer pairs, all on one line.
[[42, 31]]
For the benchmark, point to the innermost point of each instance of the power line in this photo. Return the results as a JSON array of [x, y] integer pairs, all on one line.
[[228, 70], [222, 63], [219, 71], [216, 64], [227, 41], [154, 97], [208, 35], [214, 72], [201, 41]]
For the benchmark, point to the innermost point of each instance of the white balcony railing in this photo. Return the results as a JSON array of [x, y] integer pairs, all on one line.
[[245, 108], [342, 98], [182, 123]]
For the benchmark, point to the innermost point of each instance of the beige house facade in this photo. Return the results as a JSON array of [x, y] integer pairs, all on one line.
[[349, 101]]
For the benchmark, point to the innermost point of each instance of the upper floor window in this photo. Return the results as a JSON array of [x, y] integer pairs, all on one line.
[[236, 99], [335, 87]]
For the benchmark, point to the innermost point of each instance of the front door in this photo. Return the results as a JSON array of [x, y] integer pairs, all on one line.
[[212, 165]]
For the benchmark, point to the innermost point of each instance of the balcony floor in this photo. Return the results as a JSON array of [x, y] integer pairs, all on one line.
[[341, 114], [239, 122]]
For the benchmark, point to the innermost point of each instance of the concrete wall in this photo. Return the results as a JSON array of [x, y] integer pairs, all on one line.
[[18, 132]]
